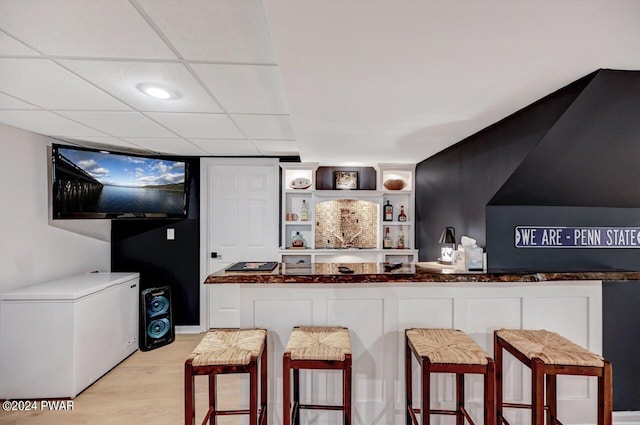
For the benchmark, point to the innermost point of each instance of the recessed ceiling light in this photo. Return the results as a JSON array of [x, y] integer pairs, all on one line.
[[157, 91]]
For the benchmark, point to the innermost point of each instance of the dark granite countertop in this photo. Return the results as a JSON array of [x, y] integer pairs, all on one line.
[[375, 273]]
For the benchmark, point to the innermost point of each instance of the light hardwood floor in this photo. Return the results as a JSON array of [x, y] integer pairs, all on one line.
[[147, 388]]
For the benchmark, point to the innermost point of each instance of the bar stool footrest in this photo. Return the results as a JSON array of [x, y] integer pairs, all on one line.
[[412, 413], [462, 411], [320, 407], [234, 412]]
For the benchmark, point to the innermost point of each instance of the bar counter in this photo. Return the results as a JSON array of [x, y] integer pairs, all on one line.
[[377, 306], [318, 273]]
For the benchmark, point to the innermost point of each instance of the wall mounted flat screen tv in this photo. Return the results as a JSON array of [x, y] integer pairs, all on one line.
[[98, 184]]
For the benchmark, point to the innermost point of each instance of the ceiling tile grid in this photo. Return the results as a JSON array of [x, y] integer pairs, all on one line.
[[107, 143], [48, 85], [173, 145], [48, 123], [358, 81], [83, 28], [227, 147], [254, 89], [198, 126], [120, 124], [10, 102], [269, 127], [123, 78], [277, 147], [224, 31], [12, 47], [80, 63]]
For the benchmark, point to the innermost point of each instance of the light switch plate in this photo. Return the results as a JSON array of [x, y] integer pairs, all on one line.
[[171, 234]]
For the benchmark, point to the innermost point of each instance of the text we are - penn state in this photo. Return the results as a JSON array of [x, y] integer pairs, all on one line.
[[577, 237]]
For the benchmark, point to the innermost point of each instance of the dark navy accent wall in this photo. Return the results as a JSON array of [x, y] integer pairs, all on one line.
[[141, 245], [454, 186], [621, 323], [585, 167], [590, 156], [569, 159], [505, 257]]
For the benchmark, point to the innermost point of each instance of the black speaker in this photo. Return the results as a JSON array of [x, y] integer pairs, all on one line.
[[156, 322]]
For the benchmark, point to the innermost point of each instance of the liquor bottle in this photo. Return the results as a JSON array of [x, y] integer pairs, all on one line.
[[304, 211], [402, 216], [297, 241], [400, 239], [386, 242], [388, 212]]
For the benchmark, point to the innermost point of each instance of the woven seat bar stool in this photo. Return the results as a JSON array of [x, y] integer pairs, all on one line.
[[447, 351], [548, 354], [223, 351], [316, 348]]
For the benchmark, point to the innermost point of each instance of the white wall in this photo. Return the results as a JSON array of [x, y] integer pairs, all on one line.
[[33, 248]]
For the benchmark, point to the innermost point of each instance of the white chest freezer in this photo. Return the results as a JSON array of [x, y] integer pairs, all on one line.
[[58, 337]]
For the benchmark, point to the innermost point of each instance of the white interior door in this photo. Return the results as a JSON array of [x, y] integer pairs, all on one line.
[[243, 213], [239, 222]]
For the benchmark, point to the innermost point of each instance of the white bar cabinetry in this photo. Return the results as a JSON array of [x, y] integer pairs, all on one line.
[[294, 192], [377, 315]]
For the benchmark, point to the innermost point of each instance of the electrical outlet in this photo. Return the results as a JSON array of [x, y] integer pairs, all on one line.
[[171, 234]]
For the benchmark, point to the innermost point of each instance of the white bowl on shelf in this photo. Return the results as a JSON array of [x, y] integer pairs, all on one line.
[[300, 183]]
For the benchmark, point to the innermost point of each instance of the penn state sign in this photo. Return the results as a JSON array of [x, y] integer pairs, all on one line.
[[576, 237]]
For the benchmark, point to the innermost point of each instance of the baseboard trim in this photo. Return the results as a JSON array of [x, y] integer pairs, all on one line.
[[626, 418], [188, 329]]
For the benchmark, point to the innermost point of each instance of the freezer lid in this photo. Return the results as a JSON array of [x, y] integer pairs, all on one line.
[[70, 288]]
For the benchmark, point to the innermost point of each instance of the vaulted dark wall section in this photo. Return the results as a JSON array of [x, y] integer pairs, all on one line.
[[583, 172], [569, 159], [589, 157], [454, 186]]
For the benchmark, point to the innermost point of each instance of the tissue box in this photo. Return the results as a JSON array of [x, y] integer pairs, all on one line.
[[473, 258]]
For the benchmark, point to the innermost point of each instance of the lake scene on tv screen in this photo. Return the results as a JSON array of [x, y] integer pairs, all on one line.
[[97, 182]]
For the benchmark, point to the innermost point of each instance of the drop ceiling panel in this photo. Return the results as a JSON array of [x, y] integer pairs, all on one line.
[[12, 47], [367, 81], [122, 78], [102, 142], [94, 28], [198, 126], [223, 30], [120, 124], [173, 145], [9, 102], [277, 147], [47, 123], [227, 147], [265, 126], [245, 88], [43, 83]]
